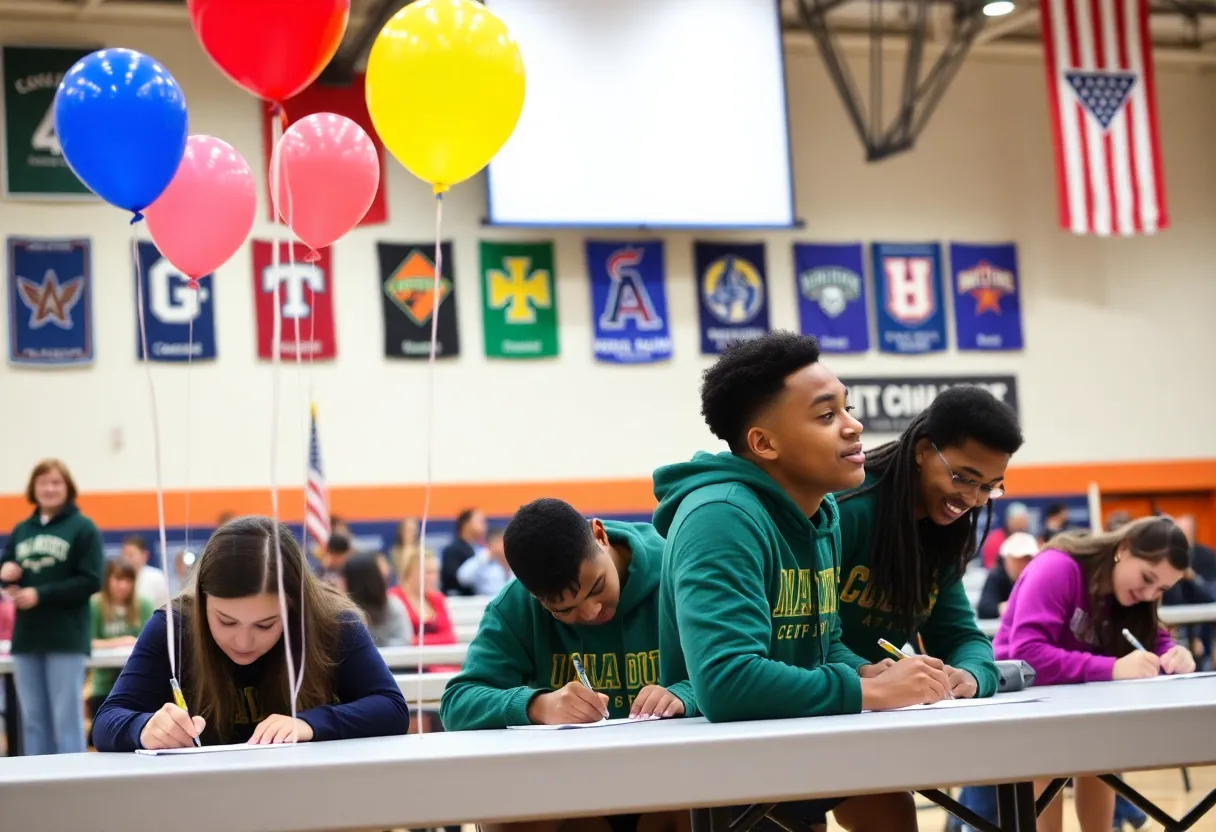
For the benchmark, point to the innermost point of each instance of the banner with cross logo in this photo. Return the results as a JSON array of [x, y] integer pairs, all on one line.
[[519, 300]]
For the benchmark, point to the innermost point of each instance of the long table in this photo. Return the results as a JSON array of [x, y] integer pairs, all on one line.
[[1174, 616], [415, 781]]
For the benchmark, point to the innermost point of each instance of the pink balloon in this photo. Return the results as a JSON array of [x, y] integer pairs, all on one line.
[[207, 211], [328, 172]]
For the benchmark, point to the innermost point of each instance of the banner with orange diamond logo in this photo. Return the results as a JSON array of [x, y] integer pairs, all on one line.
[[409, 302]]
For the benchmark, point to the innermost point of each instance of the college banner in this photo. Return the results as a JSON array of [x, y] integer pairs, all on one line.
[[50, 301], [628, 302], [908, 294], [33, 163], [987, 305], [832, 295], [170, 307], [407, 298], [888, 405], [519, 300], [732, 293], [305, 296], [346, 100]]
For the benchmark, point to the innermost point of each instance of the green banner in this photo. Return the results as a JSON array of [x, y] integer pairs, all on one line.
[[519, 300], [33, 163]]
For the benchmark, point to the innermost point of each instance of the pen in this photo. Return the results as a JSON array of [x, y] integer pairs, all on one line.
[[892, 649], [582, 675], [180, 701], [1132, 640], [920, 642]]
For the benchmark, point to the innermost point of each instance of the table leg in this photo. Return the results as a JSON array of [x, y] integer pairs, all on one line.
[[1007, 807], [1024, 799], [12, 717]]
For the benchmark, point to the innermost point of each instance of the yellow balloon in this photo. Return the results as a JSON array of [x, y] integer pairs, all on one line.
[[445, 87]]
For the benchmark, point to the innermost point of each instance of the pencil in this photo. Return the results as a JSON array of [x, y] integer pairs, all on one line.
[[180, 701], [895, 652], [920, 642], [1132, 640]]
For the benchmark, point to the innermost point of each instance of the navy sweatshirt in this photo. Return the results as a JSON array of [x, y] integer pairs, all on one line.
[[369, 702]]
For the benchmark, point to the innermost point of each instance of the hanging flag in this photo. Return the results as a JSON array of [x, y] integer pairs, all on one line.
[[519, 300], [170, 306], [407, 299], [316, 495], [908, 295], [344, 100], [628, 302], [305, 295], [732, 293], [1099, 62], [832, 295], [50, 301], [987, 309]]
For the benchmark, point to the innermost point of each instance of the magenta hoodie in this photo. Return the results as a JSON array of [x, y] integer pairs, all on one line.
[[1048, 624]]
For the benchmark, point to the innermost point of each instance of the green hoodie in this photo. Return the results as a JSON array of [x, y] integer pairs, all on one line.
[[521, 650], [950, 632], [63, 560], [748, 595]]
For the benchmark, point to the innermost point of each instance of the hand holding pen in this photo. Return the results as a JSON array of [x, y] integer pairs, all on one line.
[[172, 726], [576, 702], [1139, 664]]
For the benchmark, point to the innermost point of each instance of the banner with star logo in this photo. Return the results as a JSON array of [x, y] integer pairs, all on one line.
[[987, 306], [407, 298], [50, 301]]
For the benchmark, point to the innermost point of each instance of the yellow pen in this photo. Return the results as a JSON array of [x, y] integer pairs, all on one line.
[[892, 649], [180, 701]]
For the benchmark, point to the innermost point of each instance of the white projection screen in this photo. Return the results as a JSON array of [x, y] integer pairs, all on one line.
[[646, 113]]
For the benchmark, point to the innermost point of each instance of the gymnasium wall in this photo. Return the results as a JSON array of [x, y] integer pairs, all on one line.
[[1110, 374]]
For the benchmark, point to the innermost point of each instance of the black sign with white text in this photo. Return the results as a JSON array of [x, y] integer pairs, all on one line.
[[887, 405]]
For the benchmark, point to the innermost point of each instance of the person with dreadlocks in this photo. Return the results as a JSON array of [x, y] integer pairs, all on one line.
[[748, 590], [911, 529]]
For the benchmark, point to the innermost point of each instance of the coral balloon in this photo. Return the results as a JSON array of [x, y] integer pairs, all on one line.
[[121, 121], [445, 87], [328, 171], [272, 48], [207, 211]]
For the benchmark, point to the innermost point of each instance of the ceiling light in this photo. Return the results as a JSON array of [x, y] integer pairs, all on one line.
[[996, 8]]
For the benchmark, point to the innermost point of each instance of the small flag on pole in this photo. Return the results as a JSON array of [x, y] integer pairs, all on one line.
[[316, 497], [1100, 85]]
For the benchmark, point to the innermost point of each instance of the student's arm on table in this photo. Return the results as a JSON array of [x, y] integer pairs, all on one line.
[[952, 635], [1045, 607], [491, 690], [141, 690]]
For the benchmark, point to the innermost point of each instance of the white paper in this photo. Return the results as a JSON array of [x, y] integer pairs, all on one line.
[[209, 749], [603, 723], [1003, 699], [1174, 677]]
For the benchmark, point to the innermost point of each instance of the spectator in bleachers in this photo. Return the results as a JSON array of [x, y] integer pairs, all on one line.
[[333, 558], [117, 615], [52, 564], [1016, 552], [434, 620], [1055, 521], [1017, 519], [406, 544], [487, 572], [470, 530], [234, 670], [1203, 559], [150, 583], [384, 613]]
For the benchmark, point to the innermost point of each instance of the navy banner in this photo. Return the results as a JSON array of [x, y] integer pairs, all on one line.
[[987, 305], [170, 305], [628, 301], [832, 295], [732, 293], [50, 301], [908, 283]]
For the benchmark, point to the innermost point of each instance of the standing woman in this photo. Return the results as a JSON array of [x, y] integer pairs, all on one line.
[[909, 531], [51, 566]]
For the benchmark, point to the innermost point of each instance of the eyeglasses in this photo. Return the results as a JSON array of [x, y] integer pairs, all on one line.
[[993, 491]]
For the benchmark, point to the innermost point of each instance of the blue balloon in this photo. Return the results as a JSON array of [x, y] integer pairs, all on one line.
[[121, 122]]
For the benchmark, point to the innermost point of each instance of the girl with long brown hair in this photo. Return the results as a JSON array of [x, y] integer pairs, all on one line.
[[233, 662], [1067, 616], [117, 616]]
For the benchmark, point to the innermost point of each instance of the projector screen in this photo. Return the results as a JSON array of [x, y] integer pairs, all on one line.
[[644, 113]]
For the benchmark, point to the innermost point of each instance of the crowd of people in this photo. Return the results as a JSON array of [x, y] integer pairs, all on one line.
[[765, 587]]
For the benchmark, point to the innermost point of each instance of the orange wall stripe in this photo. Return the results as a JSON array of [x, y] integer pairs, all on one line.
[[137, 509]]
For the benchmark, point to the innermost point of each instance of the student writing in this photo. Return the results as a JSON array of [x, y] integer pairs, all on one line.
[[233, 664]]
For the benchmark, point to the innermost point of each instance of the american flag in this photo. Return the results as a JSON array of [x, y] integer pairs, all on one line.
[[1104, 114], [316, 497]]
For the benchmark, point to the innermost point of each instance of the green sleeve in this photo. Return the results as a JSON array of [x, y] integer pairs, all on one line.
[[839, 654], [491, 690], [145, 612], [952, 635], [89, 560], [683, 690], [94, 618], [725, 626]]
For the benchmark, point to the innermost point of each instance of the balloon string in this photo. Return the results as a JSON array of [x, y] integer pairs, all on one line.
[[276, 361], [436, 300], [160, 491], [198, 296]]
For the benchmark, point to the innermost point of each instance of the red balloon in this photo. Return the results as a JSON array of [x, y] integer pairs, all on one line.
[[272, 48]]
